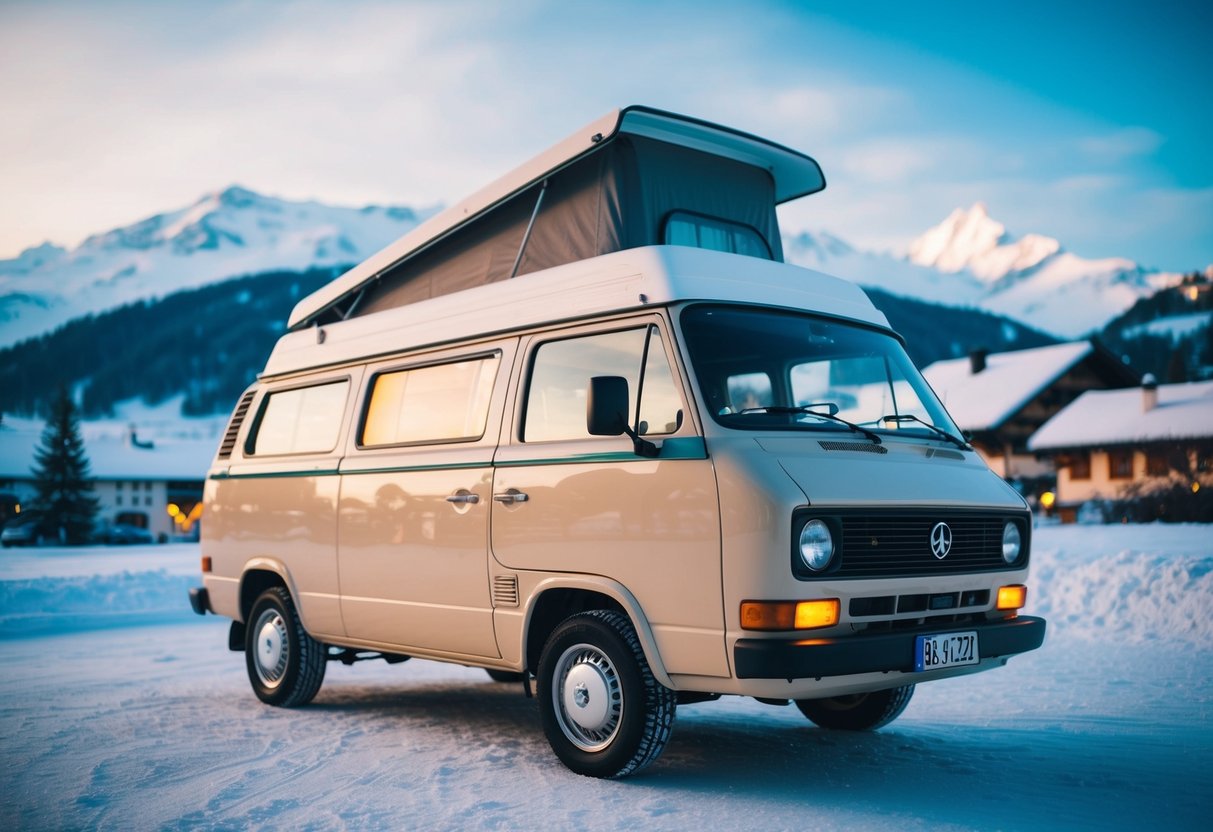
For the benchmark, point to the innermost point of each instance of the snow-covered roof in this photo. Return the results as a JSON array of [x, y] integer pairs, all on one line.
[[114, 459], [1118, 417], [985, 400]]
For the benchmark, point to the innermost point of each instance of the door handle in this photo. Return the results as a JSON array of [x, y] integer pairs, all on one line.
[[511, 496], [464, 498]]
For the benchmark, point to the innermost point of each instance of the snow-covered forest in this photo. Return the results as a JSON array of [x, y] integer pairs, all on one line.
[[120, 709]]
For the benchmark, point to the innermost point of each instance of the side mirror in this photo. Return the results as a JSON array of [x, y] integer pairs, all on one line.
[[606, 406]]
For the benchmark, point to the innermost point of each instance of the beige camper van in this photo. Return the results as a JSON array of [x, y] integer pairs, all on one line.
[[587, 431]]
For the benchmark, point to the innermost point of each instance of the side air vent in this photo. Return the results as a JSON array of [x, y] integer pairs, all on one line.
[[233, 427], [861, 447], [505, 591]]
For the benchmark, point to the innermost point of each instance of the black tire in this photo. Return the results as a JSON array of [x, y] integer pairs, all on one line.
[[857, 711], [504, 675], [603, 712], [285, 664]]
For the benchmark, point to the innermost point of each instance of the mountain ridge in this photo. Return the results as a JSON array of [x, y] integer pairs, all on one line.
[[968, 260]]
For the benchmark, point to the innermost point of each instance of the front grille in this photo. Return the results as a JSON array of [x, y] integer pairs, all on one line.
[[898, 544]]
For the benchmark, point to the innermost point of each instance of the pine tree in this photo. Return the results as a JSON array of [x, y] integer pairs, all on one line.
[[61, 475]]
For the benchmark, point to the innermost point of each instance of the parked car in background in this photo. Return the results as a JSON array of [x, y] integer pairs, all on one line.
[[123, 534], [22, 530]]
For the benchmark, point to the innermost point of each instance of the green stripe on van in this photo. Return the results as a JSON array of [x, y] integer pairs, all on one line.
[[680, 447]]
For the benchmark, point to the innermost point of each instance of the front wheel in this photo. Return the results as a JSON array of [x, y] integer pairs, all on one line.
[[857, 711], [603, 712], [285, 664]]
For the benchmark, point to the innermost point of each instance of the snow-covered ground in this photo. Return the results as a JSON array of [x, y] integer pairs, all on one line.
[[120, 709]]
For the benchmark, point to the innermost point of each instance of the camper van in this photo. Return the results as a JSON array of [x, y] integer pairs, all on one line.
[[586, 430]]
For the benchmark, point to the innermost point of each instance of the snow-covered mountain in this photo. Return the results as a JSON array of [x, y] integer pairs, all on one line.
[[970, 259], [224, 234]]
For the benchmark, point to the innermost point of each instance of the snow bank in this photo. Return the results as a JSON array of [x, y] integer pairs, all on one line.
[[1134, 583], [1131, 583], [58, 590]]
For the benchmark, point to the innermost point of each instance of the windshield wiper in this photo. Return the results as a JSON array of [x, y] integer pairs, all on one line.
[[942, 434], [807, 411]]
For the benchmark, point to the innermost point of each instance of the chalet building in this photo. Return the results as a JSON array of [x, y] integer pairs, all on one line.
[[1000, 400], [155, 486], [1110, 443]]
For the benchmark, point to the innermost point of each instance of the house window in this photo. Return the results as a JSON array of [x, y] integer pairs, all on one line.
[[1156, 465], [1120, 465], [1080, 467]]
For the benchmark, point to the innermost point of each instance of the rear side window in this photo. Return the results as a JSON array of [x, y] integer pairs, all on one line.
[[560, 379], [682, 228], [302, 420], [438, 403]]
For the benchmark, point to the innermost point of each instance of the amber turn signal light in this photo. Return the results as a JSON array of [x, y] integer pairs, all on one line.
[[1012, 597], [789, 615]]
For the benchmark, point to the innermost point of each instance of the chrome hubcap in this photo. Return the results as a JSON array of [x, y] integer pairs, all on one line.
[[588, 697], [271, 652]]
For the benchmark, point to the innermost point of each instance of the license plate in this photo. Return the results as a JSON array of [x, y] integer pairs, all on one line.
[[950, 650]]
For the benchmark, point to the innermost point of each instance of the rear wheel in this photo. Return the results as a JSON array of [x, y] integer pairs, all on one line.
[[603, 712], [857, 711], [285, 664]]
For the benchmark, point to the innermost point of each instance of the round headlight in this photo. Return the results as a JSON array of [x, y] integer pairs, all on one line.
[[1011, 542], [816, 545]]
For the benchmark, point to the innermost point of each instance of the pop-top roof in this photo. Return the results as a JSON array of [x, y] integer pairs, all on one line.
[[792, 174]]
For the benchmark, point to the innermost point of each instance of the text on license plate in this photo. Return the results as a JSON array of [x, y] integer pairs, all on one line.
[[949, 650]]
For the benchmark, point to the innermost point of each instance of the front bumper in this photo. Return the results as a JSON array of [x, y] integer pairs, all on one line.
[[816, 658]]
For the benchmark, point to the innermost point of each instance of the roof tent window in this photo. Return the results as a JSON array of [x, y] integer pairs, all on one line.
[[300, 421], [683, 228], [438, 403]]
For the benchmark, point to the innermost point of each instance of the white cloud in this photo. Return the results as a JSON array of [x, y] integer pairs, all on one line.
[[1119, 146]]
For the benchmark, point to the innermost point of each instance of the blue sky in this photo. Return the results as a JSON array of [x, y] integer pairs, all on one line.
[[1087, 122]]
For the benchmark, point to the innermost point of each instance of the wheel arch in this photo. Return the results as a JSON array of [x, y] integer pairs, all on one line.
[[555, 599], [259, 575]]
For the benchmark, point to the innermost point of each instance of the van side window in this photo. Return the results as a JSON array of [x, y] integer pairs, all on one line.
[[560, 377], [682, 228], [438, 403], [300, 421]]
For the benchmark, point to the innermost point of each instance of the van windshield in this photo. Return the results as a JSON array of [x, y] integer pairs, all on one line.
[[769, 369]]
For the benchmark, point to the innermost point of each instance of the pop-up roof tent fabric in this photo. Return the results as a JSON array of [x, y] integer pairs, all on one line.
[[609, 187], [613, 199]]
